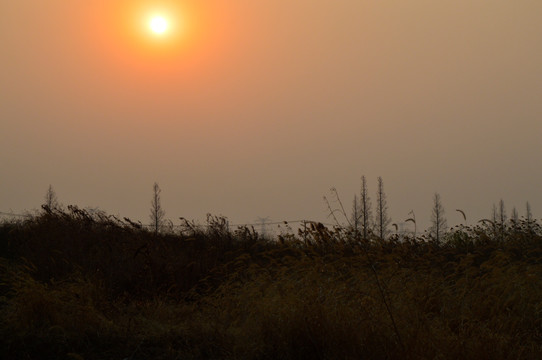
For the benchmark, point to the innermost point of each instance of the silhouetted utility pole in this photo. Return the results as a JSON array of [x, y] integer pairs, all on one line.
[[262, 222]]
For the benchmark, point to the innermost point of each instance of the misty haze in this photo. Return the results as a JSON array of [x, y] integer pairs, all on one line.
[[270, 179]]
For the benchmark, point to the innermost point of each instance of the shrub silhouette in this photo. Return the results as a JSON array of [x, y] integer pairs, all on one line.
[[92, 286]]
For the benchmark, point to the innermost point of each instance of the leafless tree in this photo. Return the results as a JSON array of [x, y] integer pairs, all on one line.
[[157, 213], [501, 219], [365, 209], [382, 219], [359, 219], [494, 214], [355, 215], [502, 212], [514, 218], [51, 200], [494, 219], [529, 217], [438, 220], [528, 213]]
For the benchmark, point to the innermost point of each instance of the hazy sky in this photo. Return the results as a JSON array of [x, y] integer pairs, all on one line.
[[256, 108]]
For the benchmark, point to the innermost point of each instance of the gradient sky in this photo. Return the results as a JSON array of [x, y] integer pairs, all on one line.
[[256, 108]]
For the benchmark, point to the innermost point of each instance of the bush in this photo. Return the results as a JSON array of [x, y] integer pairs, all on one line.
[[79, 285]]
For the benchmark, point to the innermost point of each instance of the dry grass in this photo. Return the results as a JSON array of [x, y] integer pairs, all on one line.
[[78, 286]]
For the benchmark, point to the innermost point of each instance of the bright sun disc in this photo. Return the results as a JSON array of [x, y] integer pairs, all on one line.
[[158, 25]]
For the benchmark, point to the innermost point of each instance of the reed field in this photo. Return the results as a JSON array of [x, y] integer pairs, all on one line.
[[80, 285]]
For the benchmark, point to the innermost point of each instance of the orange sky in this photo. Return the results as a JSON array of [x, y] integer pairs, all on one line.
[[257, 108]]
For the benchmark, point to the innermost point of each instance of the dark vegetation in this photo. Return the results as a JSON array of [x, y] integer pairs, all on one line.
[[76, 285]]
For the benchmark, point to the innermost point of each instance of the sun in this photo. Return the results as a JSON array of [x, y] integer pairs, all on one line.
[[155, 30], [158, 24]]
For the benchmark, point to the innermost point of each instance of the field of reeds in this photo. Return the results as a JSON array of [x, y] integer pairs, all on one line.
[[76, 285]]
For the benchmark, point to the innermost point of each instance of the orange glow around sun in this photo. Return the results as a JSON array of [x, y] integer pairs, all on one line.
[[160, 26], [148, 31], [161, 36]]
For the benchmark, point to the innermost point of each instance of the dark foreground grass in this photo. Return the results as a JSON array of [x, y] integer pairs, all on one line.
[[82, 286]]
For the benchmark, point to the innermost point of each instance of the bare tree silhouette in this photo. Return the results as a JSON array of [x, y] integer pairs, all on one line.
[[356, 217], [382, 219], [438, 220], [157, 213], [514, 218], [51, 200], [529, 217], [365, 209], [501, 220]]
